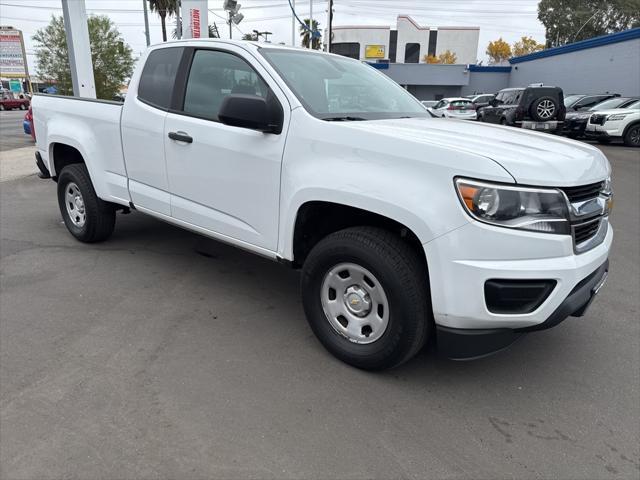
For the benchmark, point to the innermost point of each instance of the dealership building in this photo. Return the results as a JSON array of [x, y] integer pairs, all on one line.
[[409, 42], [606, 64]]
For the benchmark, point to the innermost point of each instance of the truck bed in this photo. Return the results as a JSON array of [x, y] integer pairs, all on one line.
[[95, 125]]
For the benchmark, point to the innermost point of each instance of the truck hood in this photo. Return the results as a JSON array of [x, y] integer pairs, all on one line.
[[531, 158]]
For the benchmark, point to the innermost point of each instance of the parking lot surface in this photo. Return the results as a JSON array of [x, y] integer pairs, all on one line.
[[162, 354]]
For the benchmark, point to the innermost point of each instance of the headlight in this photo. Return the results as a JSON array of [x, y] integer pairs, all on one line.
[[522, 208], [616, 117]]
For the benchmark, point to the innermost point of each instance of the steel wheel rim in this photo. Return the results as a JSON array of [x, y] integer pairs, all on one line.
[[355, 303], [546, 109], [75, 205]]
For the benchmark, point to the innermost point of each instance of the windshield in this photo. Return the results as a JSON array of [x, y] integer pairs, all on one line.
[[571, 99], [609, 104], [337, 88]]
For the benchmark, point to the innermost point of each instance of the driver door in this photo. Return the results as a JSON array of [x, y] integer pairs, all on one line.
[[224, 179]]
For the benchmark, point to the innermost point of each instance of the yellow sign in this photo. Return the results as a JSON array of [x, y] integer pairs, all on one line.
[[374, 51]]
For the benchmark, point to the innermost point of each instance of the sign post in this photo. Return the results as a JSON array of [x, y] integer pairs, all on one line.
[[195, 22]]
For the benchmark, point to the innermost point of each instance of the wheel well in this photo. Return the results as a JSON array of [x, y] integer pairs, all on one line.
[[626, 129], [316, 220], [64, 155]]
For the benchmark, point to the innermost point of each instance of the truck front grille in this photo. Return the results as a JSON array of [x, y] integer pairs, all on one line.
[[583, 192]]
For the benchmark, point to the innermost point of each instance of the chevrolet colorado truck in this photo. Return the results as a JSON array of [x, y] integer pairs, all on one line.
[[406, 228]]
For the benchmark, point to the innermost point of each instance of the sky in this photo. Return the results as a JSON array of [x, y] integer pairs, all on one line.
[[509, 19]]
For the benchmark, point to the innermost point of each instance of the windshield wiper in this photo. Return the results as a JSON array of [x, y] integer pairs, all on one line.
[[345, 118]]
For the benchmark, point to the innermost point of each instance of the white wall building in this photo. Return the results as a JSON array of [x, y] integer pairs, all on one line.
[[408, 43]]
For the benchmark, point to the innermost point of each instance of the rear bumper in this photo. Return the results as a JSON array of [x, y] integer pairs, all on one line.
[[468, 344]]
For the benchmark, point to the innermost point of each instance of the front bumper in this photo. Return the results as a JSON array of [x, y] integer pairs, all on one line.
[[462, 261], [468, 344], [608, 130]]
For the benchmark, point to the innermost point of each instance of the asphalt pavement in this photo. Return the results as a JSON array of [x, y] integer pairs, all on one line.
[[161, 354], [11, 133]]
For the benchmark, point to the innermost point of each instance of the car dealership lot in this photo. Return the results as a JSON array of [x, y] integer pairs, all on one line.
[[164, 354]]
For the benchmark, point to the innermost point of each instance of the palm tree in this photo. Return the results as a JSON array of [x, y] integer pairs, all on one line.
[[164, 8], [304, 33]]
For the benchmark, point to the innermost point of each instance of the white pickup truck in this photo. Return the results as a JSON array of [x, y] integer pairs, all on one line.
[[406, 227]]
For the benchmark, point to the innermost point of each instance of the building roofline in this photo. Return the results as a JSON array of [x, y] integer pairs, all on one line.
[[489, 68], [582, 45]]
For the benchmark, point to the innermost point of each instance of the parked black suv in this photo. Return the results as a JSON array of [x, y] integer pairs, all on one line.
[[534, 107]]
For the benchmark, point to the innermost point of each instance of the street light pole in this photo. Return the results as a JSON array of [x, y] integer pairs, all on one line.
[[327, 29]]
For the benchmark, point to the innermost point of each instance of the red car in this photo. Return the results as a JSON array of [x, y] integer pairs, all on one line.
[[9, 102]]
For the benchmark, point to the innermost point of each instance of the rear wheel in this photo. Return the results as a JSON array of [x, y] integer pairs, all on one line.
[[365, 295], [632, 137], [87, 217]]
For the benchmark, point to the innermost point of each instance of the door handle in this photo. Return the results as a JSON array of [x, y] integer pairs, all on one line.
[[180, 137]]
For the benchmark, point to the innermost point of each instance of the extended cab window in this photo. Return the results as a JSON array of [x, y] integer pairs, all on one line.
[[158, 77], [213, 76]]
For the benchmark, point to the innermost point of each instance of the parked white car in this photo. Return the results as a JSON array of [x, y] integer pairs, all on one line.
[[461, 108], [616, 124], [405, 227]]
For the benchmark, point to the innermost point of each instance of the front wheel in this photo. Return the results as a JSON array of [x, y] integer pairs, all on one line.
[[632, 137], [366, 297], [87, 217]]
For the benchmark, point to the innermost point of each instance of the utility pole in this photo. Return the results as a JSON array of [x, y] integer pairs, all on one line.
[[293, 23], [327, 30], [230, 27], [311, 24], [146, 22]]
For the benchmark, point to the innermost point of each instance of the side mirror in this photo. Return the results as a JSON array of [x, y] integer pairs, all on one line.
[[251, 111]]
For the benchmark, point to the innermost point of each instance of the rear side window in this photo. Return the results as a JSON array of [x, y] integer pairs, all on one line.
[[158, 77]]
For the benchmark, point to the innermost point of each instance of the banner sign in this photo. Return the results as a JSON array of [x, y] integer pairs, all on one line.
[[13, 63], [194, 19]]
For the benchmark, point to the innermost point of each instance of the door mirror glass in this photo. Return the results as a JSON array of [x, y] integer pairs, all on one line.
[[250, 111]]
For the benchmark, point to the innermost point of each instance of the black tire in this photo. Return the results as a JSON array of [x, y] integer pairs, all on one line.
[[632, 135], [403, 276], [503, 121], [100, 216], [544, 109]]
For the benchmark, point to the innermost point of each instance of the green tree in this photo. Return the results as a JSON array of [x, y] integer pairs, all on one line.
[[499, 51], [305, 34], [111, 57], [568, 21], [164, 9]]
